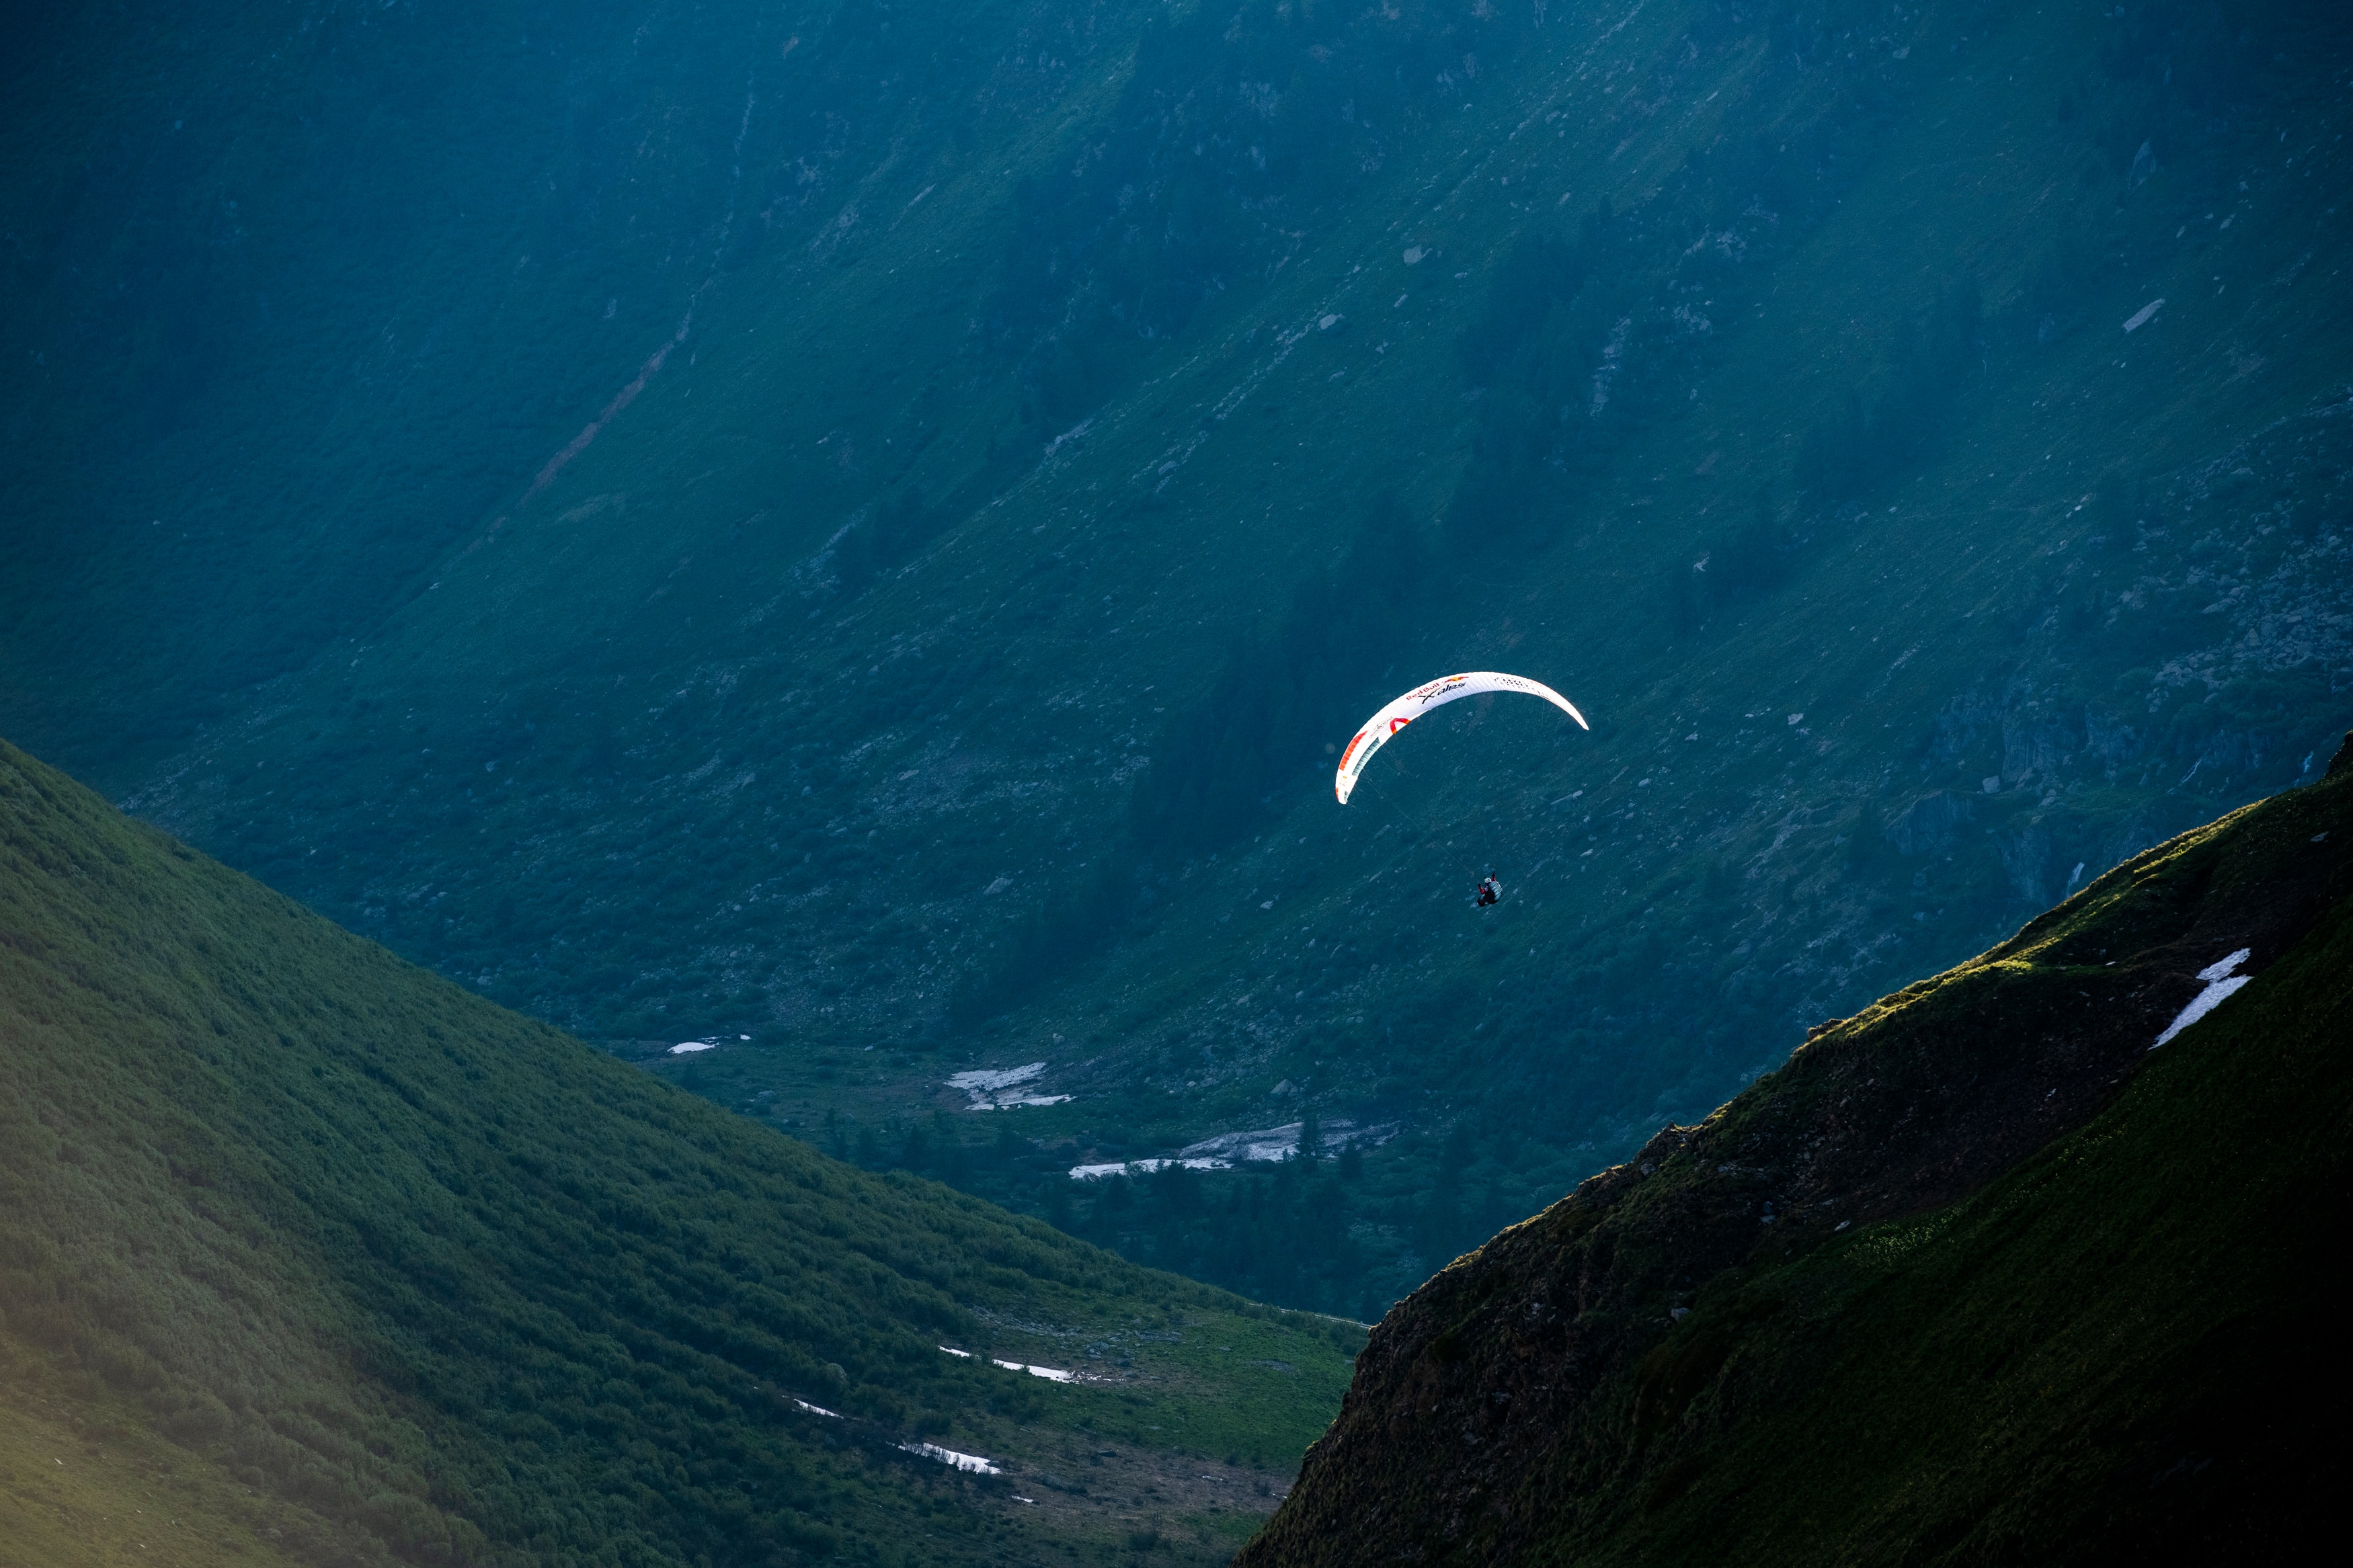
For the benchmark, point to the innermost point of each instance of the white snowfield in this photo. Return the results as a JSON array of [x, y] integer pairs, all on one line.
[[1227, 1150], [1281, 1142], [1051, 1374], [988, 1080], [1143, 1168], [986, 1087], [2221, 986], [687, 1047], [972, 1462]]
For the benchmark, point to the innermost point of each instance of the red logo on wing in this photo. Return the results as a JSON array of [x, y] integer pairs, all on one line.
[[1397, 724]]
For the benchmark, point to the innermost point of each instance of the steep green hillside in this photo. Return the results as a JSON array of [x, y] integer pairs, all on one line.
[[307, 1254], [1777, 1337], [855, 525]]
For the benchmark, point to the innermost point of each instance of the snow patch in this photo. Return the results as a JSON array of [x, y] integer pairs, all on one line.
[[687, 1047], [1051, 1373], [1266, 1145], [2221, 967], [986, 1087], [2221, 986], [990, 1079], [818, 1410], [1282, 1142], [1143, 1168], [972, 1462]]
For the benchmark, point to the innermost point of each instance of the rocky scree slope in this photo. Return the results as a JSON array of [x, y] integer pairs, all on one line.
[[1978, 1273]]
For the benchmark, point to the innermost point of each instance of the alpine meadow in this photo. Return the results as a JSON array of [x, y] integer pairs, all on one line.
[[611, 960]]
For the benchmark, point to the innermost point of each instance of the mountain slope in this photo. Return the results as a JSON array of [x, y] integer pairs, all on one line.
[[2021, 1284], [354, 1265], [854, 525]]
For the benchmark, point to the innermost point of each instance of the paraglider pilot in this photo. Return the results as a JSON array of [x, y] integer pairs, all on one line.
[[1490, 890]]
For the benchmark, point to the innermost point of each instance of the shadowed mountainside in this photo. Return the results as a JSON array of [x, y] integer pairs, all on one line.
[[852, 522], [1975, 1276]]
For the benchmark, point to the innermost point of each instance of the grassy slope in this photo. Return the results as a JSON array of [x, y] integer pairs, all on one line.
[[2123, 1351], [703, 755], [83, 1480], [329, 1249], [2118, 1349]]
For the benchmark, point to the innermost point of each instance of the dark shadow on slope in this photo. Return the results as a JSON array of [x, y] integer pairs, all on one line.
[[1977, 1268], [1229, 764]]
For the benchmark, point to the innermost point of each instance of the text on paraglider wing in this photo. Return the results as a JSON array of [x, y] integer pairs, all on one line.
[[1397, 714]]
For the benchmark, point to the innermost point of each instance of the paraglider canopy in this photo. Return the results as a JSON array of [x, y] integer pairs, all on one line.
[[1374, 732]]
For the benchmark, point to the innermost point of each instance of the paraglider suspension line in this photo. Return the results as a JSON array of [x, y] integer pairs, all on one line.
[[1433, 827]]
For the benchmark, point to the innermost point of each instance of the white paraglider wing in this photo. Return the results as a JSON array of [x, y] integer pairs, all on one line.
[[1374, 732]]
